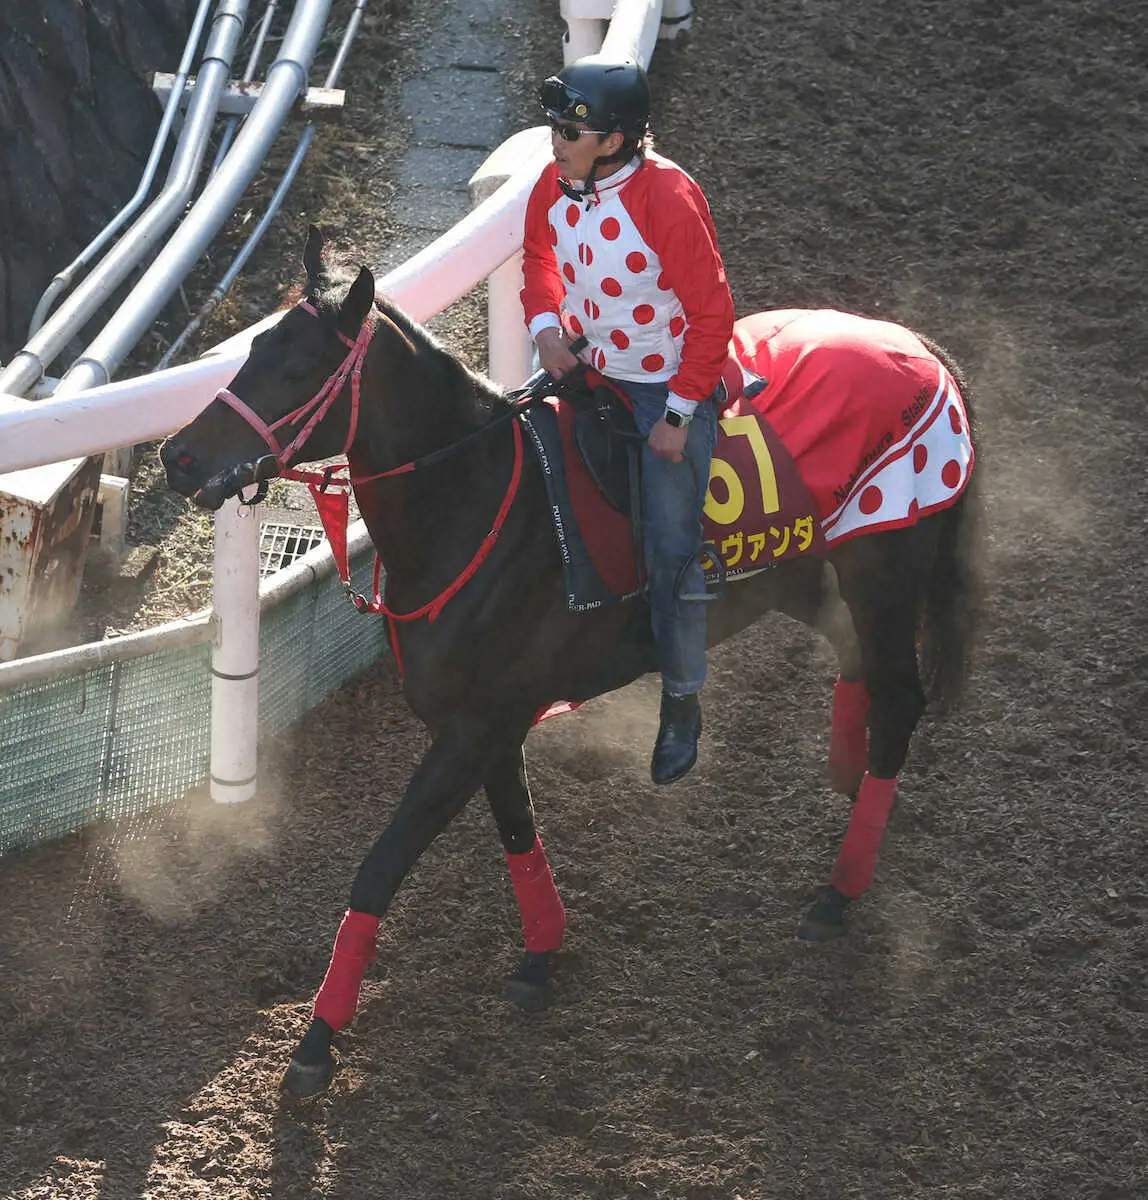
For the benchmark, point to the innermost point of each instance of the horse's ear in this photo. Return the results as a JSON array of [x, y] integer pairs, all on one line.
[[313, 253], [358, 303]]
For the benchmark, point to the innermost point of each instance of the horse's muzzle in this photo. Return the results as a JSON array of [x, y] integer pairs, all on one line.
[[185, 477]]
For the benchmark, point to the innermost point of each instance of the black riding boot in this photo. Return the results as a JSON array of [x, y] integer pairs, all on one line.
[[676, 749]]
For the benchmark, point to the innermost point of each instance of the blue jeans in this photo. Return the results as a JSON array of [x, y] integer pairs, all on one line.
[[673, 496]]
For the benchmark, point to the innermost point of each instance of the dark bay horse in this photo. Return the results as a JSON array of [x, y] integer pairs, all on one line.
[[470, 553]]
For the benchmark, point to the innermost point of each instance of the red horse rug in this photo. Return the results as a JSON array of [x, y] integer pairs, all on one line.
[[834, 425]]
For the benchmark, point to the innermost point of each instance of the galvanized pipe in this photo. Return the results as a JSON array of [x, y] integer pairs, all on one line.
[[248, 75], [28, 365], [67, 276], [256, 236], [286, 81]]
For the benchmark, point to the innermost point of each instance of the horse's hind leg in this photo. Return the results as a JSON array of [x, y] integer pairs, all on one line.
[[879, 584], [848, 731], [543, 917]]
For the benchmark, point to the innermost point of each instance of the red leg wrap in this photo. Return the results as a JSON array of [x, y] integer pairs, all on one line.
[[543, 917], [853, 872], [848, 736], [354, 948]]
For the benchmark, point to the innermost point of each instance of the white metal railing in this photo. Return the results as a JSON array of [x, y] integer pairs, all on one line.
[[151, 407]]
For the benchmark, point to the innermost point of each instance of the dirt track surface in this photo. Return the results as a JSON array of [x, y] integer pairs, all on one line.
[[981, 1032]]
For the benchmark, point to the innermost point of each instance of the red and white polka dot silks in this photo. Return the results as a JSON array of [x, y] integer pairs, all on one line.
[[646, 319], [874, 422]]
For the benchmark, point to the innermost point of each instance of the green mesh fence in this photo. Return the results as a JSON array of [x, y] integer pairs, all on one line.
[[123, 737], [313, 642]]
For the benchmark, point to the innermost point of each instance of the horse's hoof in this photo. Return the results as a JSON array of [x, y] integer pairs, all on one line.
[[529, 985], [825, 919], [301, 1081], [530, 997]]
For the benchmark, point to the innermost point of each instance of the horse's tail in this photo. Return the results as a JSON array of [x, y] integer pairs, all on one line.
[[951, 608]]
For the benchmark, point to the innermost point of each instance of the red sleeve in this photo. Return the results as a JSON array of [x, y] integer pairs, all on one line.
[[543, 290], [676, 222]]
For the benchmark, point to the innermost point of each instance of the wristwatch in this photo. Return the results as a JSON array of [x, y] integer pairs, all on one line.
[[676, 419]]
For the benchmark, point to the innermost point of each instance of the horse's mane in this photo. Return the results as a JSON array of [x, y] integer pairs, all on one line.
[[340, 269]]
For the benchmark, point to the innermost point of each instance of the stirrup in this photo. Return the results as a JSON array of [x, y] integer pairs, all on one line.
[[705, 550]]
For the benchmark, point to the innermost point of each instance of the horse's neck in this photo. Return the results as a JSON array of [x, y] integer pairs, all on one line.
[[416, 399], [426, 523]]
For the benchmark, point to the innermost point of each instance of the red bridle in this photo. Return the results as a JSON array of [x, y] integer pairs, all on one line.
[[319, 404], [330, 493]]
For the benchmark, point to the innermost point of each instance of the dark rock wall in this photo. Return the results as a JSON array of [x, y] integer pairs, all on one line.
[[77, 122]]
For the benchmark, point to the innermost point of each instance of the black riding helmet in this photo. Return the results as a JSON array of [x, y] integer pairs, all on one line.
[[607, 94]]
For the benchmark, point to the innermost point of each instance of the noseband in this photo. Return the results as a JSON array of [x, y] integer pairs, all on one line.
[[318, 406]]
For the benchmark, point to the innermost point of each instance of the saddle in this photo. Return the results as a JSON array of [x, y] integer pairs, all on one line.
[[607, 439], [610, 447]]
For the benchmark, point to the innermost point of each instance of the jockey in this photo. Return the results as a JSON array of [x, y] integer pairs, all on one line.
[[619, 247]]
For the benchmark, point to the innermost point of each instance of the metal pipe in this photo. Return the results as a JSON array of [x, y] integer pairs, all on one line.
[[29, 364], [256, 236], [248, 75], [286, 81], [65, 278]]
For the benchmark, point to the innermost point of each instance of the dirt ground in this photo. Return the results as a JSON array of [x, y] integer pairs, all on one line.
[[975, 171]]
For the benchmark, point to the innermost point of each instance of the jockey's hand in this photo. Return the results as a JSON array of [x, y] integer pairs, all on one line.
[[668, 441], [554, 352]]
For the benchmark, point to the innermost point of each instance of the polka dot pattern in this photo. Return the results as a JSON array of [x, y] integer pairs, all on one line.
[[910, 478], [609, 271], [871, 500]]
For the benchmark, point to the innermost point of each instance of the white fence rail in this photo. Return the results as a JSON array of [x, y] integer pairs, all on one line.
[[151, 407]]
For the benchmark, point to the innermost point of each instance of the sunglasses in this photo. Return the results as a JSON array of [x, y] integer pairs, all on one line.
[[571, 132]]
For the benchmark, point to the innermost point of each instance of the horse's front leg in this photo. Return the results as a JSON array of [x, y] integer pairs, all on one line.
[[543, 917], [449, 774]]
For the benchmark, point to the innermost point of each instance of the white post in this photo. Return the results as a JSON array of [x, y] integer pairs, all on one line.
[[677, 17], [235, 659], [511, 349], [585, 27]]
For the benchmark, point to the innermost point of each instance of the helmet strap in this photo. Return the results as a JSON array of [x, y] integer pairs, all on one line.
[[588, 193]]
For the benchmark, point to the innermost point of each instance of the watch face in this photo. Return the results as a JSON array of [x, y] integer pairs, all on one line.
[[673, 418]]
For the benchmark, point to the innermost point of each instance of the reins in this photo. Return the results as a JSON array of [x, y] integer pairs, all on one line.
[[331, 491]]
